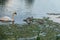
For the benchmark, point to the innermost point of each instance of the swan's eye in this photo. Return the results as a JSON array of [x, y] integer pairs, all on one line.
[[15, 13]]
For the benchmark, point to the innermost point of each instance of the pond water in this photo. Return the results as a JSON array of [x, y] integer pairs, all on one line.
[[27, 8]]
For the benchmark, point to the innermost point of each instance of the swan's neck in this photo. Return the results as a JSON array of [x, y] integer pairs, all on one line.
[[13, 17]]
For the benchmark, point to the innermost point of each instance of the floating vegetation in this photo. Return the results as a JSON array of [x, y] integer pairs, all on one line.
[[47, 30]]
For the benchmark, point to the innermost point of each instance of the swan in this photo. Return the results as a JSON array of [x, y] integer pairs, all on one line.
[[8, 19]]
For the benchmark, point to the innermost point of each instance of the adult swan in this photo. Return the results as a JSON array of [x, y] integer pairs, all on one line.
[[8, 19]]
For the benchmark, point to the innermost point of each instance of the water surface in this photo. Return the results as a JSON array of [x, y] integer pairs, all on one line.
[[26, 8]]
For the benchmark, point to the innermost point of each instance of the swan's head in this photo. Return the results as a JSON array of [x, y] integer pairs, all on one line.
[[14, 13]]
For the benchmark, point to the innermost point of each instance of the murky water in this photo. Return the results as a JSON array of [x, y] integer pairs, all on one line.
[[26, 8]]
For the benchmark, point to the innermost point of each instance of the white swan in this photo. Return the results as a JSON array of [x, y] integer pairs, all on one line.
[[8, 19]]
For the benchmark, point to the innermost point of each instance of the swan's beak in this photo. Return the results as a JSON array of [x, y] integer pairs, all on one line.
[[15, 13]]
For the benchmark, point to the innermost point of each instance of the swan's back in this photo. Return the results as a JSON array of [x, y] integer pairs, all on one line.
[[6, 18]]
